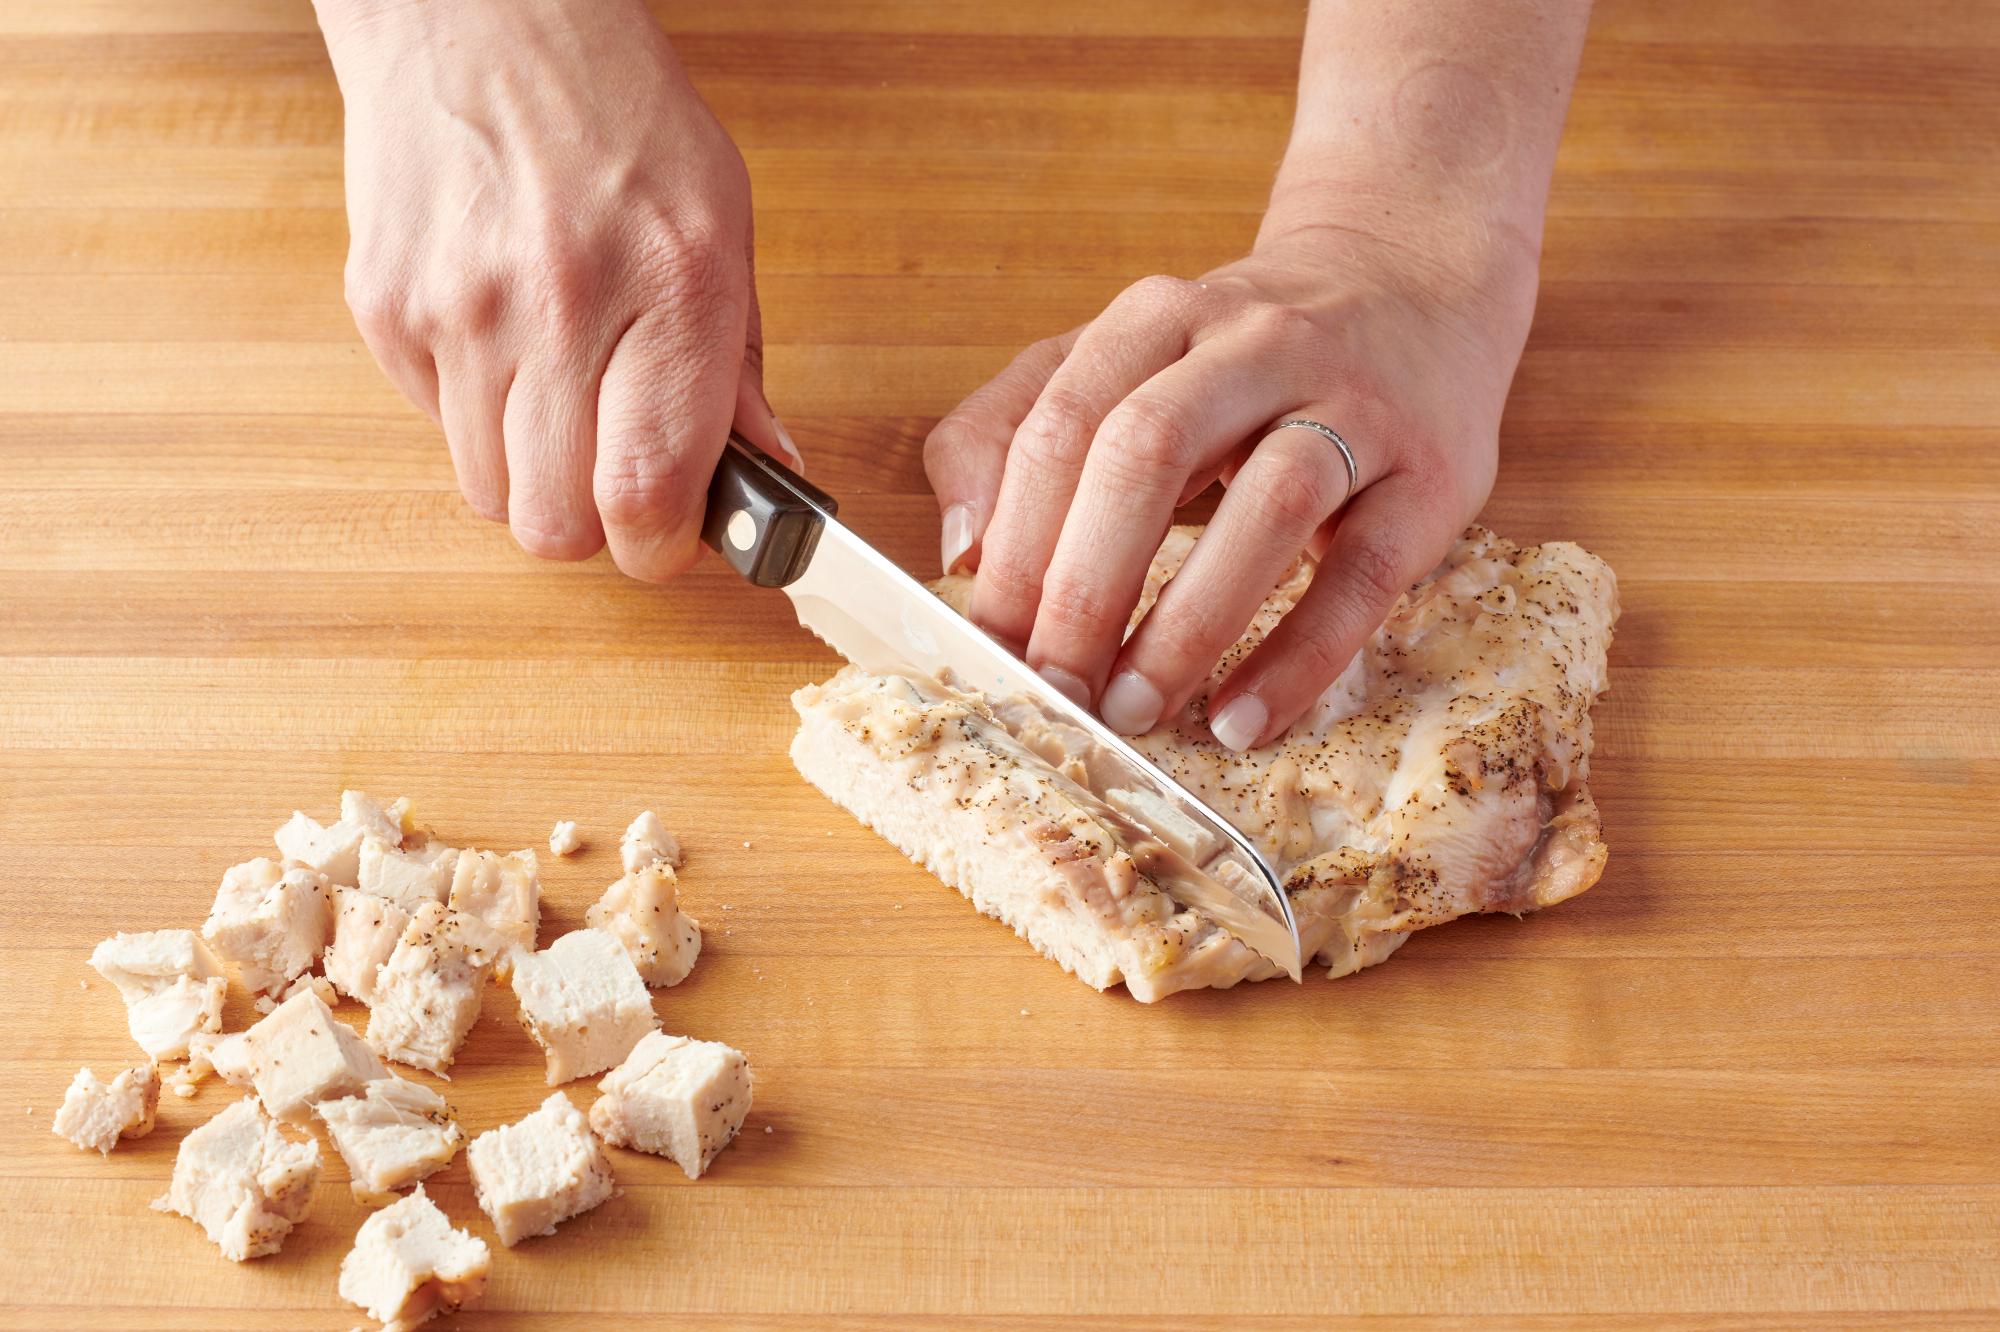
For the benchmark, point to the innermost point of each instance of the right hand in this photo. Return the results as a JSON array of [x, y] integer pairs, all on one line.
[[550, 254]]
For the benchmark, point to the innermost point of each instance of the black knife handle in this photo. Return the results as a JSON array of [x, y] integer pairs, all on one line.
[[763, 517]]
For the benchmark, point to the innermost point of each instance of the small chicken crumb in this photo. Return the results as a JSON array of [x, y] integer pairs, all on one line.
[[767, 1127], [565, 840], [1024, 1012], [746, 845]]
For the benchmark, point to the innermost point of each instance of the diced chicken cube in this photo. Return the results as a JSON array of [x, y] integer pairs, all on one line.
[[172, 984], [501, 896], [228, 1057], [365, 931], [564, 839], [675, 1097], [319, 985], [302, 1054], [642, 912], [242, 1181], [334, 852], [392, 1134], [583, 1002], [407, 878], [646, 841], [272, 922], [140, 964], [209, 1053], [537, 1172], [427, 994], [95, 1115], [388, 823], [410, 1264]]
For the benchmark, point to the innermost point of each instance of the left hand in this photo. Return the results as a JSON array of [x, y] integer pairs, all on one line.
[[1058, 479]]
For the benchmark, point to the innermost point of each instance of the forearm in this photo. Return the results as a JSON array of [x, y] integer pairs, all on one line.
[[1436, 120]]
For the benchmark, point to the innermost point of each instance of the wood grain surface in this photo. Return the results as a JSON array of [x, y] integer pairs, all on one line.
[[1750, 1081]]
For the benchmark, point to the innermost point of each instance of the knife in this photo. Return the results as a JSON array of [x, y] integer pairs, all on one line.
[[779, 530]]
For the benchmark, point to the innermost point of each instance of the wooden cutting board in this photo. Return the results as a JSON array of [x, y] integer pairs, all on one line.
[[1751, 1080]]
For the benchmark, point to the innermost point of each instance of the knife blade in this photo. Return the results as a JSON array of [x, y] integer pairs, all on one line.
[[779, 530]]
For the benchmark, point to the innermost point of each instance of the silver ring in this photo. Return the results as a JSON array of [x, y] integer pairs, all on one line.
[[1346, 454]]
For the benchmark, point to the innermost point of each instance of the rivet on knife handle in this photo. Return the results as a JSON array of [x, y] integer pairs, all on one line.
[[763, 517]]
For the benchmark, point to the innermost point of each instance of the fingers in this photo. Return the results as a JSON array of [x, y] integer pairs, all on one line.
[[1292, 482], [1147, 451], [381, 314], [472, 405], [755, 420], [1386, 539], [1145, 330], [669, 394], [965, 454], [551, 437]]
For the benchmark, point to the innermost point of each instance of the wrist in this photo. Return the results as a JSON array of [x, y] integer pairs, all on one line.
[[1442, 247]]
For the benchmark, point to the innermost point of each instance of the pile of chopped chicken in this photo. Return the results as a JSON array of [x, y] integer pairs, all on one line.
[[375, 909], [1443, 773]]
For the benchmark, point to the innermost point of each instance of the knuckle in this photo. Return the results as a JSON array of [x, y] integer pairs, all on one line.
[[1191, 633], [1009, 580], [1301, 489], [555, 539], [638, 490], [1057, 432], [1319, 657], [1076, 603], [696, 268], [377, 306], [566, 279], [1373, 568], [1278, 326], [1150, 433], [1160, 291], [954, 434]]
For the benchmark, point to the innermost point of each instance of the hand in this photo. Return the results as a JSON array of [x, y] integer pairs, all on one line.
[[551, 256], [1059, 478]]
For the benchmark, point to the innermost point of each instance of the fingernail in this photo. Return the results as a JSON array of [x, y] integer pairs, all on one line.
[[793, 458], [956, 538], [1240, 722], [1070, 686], [1131, 706]]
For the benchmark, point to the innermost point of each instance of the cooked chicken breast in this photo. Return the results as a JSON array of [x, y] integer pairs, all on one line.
[[534, 1174], [301, 1054], [582, 1000], [642, 911], [172, 984], [410, 1264], [95, 1115], [647, 841], [564, 839], [407, 878], [391, 1133], [242, 1181], [500, 898], [1442, 774], [427, 995], [365, 931], [675, 1097], [273, 922]]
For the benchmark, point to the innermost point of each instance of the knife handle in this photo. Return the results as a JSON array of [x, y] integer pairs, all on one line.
[[763, 517]]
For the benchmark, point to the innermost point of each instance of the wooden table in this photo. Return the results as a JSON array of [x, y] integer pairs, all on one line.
[[1752, 1080]]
